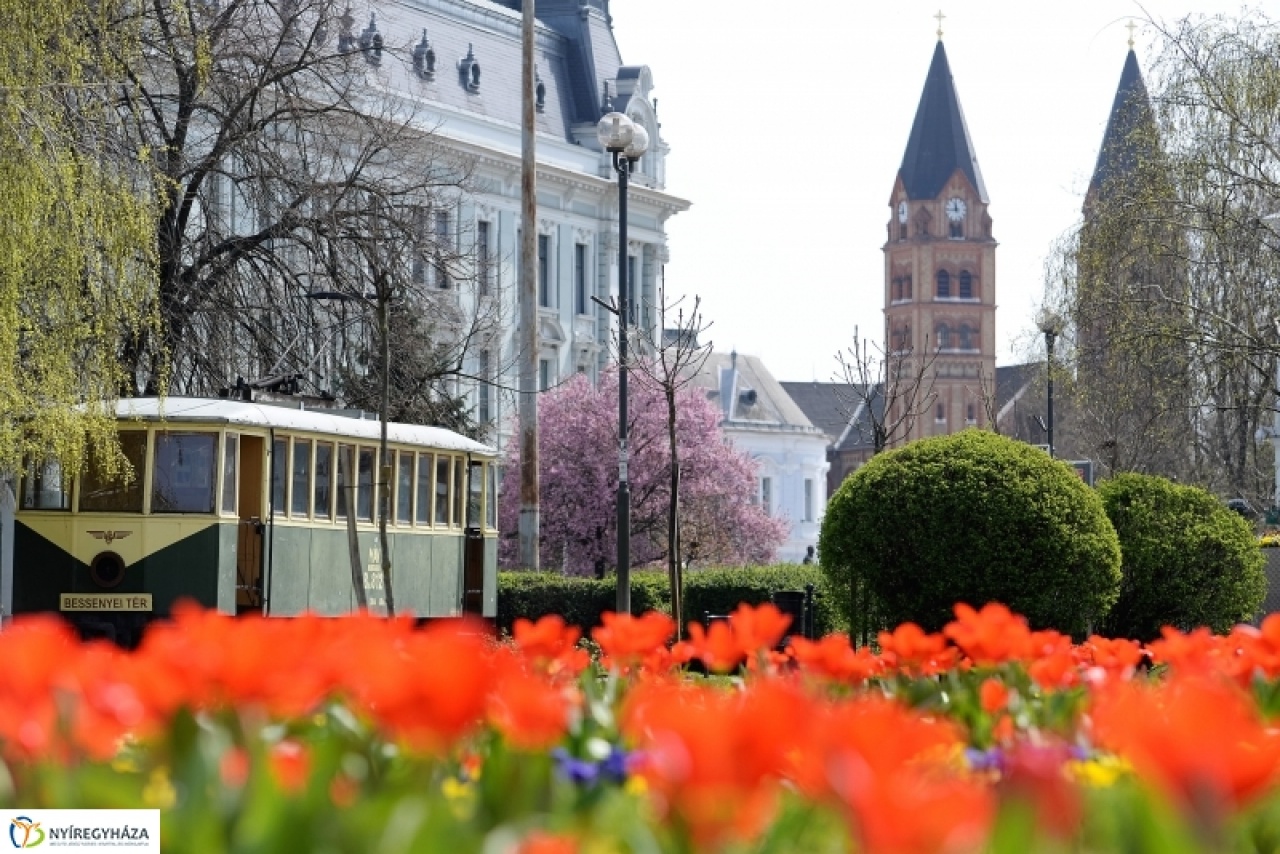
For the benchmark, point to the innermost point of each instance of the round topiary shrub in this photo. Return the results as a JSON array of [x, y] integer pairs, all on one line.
[[972, 517], [1186, 559]]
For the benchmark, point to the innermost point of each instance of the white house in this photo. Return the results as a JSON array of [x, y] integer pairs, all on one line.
[[762, 420]]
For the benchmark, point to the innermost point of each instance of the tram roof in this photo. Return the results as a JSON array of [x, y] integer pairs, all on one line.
[[217, 411]]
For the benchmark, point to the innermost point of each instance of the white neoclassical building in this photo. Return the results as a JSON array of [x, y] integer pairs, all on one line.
[[760, 418], [462, 71]]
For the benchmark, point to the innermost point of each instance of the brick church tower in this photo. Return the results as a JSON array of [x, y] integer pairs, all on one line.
[[939, 274]]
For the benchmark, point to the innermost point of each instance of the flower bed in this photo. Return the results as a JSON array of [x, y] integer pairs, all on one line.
[[363, 734]]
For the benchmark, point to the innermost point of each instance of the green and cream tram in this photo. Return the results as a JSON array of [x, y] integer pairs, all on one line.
[[243, 507]]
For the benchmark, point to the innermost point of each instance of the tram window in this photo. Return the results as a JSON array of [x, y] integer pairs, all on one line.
[[404, 487], [43, 487], [364, 495], [475, 495], [491, 495], [302, 481], [230, 451], [423, 515], [442, 490], [279, 475], [182, 481], [324, 481], [346, 463], [116, 495]]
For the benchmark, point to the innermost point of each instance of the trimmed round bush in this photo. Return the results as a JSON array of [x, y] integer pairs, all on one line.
[[972, 517], [1187, 560]]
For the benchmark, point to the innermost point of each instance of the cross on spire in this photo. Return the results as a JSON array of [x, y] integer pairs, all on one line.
[[939, 16], [1131, 26]]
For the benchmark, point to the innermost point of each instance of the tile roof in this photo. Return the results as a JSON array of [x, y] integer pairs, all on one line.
[[760, 400]]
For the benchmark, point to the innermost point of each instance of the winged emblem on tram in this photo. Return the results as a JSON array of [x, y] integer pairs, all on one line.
[[109, 536]]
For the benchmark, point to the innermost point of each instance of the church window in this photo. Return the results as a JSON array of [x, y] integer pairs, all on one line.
[[944, 337], [902, 231], [940, 414], [971, 415], [906, 287], [966, 285], [897, 289], [966, 337], [944, 284], [957, 230]]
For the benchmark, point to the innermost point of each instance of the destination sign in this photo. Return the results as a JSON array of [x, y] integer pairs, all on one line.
[[105, 602]]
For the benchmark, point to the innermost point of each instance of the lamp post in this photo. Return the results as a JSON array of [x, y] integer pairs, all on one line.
[[1051, 325], [626, 141]]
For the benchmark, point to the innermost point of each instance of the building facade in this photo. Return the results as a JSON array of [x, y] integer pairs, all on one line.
[[761, 419], [940, 274], [471, 98]]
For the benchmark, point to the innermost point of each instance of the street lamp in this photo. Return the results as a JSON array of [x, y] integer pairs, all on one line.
[[1050, 324], [627, 142]]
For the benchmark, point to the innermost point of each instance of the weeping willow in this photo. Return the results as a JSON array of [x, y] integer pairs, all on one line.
[[77, 265]]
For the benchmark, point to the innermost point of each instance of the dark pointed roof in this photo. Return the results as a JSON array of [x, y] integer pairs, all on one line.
[[1130, 111], [939, 143]]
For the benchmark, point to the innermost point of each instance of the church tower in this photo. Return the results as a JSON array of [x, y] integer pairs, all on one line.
[[1134, 408], [940, 274]]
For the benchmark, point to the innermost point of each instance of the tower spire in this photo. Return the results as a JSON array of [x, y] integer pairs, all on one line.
[[939, 142], [1130, 134]]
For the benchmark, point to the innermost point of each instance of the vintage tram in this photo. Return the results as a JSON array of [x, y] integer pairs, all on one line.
[[243, 507]]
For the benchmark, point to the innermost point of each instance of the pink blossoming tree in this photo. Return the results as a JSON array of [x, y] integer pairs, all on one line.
[[721, 523]]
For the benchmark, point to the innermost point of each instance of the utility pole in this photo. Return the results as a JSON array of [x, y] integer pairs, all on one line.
[[528, 296]]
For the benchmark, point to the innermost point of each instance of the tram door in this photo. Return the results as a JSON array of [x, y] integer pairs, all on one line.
[[251, 527], [473, 549]]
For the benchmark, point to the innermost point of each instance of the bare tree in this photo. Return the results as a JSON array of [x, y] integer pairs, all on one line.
[[276, 135], [675, 363], [888, 388]]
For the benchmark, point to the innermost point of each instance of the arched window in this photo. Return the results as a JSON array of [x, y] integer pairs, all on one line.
[[940, 414], [957, 230], [906, 287], [902, 338], [897, 289], [966, 337], [966, 285], [944, 337], [902, 231], [971, 415], [944, 284]]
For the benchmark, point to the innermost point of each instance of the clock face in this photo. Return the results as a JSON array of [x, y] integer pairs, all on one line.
[[955, 209], [902, 212]]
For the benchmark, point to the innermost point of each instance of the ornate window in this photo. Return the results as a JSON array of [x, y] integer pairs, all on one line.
[[944, 336], [966, 337], [966, 285], [944, 284]]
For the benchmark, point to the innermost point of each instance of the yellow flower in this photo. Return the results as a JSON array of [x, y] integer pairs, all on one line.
[[159, 792], [1100, 772], [460, 796]]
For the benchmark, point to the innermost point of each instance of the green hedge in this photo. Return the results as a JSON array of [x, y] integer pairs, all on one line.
[[1187, 560], [719, 591], [972, 517], [581, 601]]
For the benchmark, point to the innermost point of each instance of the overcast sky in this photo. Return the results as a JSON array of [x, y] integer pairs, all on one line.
[[787, 123]]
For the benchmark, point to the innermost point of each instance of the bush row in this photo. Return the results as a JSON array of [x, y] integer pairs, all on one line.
[[581, 601]]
